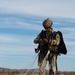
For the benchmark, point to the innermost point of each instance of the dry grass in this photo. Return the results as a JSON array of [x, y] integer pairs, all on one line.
[[15, 73], [21, 73]]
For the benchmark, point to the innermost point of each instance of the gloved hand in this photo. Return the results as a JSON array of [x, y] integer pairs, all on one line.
[[45, 40], [40, 40], [53, 42], [36, 50]]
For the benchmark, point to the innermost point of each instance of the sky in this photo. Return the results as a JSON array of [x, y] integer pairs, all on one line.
[[20, 23]]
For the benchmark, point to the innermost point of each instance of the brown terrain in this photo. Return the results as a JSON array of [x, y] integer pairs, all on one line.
[[18, 73], [6, 71]]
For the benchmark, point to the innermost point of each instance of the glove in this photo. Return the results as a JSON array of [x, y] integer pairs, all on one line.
[[45, 40], [53, 42], [40, 40], [36, 50]]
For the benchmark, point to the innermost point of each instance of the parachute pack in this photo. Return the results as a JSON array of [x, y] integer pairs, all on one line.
[[61, 48]]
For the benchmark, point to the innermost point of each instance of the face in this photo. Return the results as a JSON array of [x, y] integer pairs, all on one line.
[[49, 29]]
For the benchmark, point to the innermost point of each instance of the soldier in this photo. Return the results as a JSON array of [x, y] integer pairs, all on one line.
[[48, 40]]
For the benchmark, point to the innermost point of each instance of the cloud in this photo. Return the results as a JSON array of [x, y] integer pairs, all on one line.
[[7, 38], [16, 44], [16, 39], [18, 22], [15, 34], [40, 8]]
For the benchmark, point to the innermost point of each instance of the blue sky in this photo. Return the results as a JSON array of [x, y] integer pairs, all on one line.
[[20, 23]]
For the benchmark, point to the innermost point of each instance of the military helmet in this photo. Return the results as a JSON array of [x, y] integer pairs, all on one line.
[[47, 23]]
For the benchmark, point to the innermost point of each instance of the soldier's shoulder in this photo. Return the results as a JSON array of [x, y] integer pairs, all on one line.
[[59, 32], [42, 31]]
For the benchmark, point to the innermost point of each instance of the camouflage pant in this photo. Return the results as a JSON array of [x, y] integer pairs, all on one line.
[[42, 64]]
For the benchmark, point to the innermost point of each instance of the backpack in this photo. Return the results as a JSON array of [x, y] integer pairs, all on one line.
[[61, 47]]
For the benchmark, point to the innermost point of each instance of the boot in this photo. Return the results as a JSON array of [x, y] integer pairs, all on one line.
[[51, 72]]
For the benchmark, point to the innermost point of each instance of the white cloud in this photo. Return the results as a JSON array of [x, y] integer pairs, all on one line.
[[29, 26], [7, 38], [15, 49], [20, 23], [69, 29], [52, 8], [14, 38], [15, 44]]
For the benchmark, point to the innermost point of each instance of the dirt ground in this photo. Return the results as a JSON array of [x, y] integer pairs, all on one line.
[[15, 73], [21, 73], [6, 73]]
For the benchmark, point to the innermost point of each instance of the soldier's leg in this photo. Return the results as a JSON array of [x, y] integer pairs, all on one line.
[[52, 65], [42, 66]]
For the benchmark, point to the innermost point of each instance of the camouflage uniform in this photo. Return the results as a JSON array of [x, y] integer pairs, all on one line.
[[49, 40]]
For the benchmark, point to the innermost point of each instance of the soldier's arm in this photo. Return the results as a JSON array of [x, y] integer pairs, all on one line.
[[38, 38]]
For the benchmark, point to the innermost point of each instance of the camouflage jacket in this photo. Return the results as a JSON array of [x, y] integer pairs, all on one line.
[[45, 40]]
